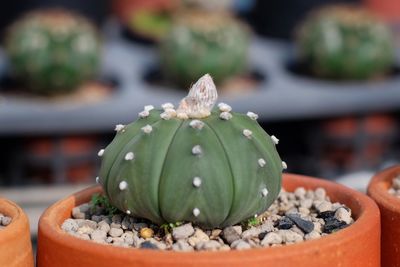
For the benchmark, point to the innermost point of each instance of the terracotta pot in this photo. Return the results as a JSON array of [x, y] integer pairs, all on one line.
[[356, 245], [387, 9], [390, 215], [15, 240]]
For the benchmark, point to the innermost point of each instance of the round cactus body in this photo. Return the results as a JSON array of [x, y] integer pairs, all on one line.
[[200, 42], [53, 51], [345, 42], [214, 168]]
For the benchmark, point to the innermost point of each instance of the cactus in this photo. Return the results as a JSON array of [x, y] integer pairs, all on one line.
[[201, 42], [211, 167], [53, 51], [345, 42]]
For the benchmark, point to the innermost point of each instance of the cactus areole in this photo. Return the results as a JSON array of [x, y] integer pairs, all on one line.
[[212, 167]]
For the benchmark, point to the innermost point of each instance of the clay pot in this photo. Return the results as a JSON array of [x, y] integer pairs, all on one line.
[[390, 215], [387, 9], [356, 245], [15, 240]]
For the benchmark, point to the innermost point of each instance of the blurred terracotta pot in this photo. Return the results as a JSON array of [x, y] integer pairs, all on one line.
[[387, 9], [390, 215], [15, 239], [356, 245]]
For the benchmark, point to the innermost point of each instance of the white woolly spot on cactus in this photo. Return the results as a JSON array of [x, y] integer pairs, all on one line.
[[97, 180], [123, 185], [182, 116], [100, 153], [165, 116], [167, 106], [119, 128], [200, 99], [247, 133], [261, 162], [147, 129], [196, 181], [225, 116], [196, 150], [196, 212], [171, 112], [252, 115], [264, 192], [144, 114], [128, 212], [224, 107], [148, 107], [129, 156], [196, 124], [284, 165], [274, 139]]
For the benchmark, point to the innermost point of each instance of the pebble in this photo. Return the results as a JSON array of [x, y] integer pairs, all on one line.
[[5, 220], [240, 244], [183, 231], [395, 189], [231, 234], [292, 218], [304, 225], [116, 232], [271, 238]]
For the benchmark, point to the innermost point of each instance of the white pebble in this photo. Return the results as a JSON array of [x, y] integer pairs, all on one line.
[[129, 156], [128, 212], [342, 214], [119, 127], [196, 181], [97, 179], [196, 150], [123, 185], [100, 153], [284, 165], [196, 124], [225, 116], [147, 129], [247, 133], [144, 114], [196, 212], [264, 192], [167, 106], [252, 115], [274, 139], [261, 162], [148, 107], [224, 107]]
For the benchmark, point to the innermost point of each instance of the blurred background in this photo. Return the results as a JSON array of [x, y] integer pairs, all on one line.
[[323, 76]]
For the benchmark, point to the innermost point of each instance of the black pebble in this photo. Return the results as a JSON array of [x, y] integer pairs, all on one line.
[[148, 245], [284, 223], [304, 225], [326, 214], [332, 225], [262, 235]]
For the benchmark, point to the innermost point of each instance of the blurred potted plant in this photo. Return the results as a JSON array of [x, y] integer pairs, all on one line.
[[214, 168], [15, 239], [348, 44], [384, 188]]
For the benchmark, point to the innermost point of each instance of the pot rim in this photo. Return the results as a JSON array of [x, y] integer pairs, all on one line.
[[379, 186], [50, 226], [18, 219]]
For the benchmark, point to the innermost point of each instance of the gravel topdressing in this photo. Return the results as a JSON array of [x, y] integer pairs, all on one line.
[[395, 189], [292, 218], [4, 221]]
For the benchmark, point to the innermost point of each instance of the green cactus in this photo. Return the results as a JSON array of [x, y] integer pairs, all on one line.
[[212, 168], [53, 51], [201, 42], [345, 42]]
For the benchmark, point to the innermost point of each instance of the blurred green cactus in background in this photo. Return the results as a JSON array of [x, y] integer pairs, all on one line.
[[345, 42], [204, 42], [53, 51], [211, 167]]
